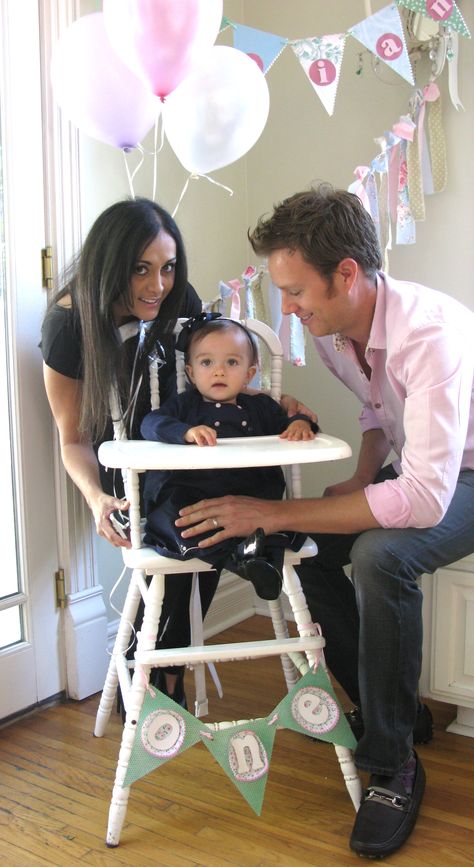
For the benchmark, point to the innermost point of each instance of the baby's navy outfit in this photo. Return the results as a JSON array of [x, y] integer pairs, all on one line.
[[168, 491]]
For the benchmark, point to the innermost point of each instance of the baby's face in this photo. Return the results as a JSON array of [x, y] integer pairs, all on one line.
[[220, 365]]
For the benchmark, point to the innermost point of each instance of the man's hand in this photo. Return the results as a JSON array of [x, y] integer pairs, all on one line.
[[292, 406], [201, 435], [228, 516], [298, 430]]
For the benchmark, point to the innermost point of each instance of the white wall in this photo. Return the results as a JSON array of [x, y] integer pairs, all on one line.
[[300, 144]]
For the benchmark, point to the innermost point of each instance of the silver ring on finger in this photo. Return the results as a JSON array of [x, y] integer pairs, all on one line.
[[215, 523]]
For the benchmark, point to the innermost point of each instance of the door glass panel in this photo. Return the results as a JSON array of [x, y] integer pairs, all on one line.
[[10, 618], [11, 626]]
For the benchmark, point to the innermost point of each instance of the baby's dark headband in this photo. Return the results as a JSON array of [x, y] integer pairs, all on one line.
[[197, 322]]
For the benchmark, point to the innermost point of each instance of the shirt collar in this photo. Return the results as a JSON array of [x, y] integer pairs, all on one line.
[[377, 338]]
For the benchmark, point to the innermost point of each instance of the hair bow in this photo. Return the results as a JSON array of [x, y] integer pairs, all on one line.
[[192, 325]]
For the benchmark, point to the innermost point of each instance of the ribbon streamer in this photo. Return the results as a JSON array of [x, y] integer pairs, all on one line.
[[195, 177]]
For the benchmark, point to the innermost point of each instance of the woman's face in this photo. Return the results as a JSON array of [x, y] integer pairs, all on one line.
[[152, 280]]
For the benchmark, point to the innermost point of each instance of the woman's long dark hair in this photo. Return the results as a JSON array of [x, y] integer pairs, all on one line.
[[101, 276]]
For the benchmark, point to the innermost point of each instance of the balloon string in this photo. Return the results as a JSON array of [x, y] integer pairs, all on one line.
[[130, 176], [156, 150], [195, 177]]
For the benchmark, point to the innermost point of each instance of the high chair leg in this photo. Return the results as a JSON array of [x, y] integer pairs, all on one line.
[[117, 659], [146, 641], [280, 628], [292, 586]]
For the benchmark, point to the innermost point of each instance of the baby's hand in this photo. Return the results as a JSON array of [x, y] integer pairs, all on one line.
[[201, 435], [298, 430]]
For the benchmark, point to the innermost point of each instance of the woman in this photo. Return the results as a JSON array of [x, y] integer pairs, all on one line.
[[130, 276]]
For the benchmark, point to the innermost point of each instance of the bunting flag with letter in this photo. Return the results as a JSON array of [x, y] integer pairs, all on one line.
[[244, 752], [164, 731], [321, 59], [444, 11], [382, 33], [262, 47], [312, 708]]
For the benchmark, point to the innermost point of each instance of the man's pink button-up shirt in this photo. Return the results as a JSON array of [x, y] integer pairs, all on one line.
[[420, 393]]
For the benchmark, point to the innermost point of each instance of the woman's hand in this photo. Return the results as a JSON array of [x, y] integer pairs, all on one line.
[[102, 508], [229, 516], [292, 406], [298, 430]]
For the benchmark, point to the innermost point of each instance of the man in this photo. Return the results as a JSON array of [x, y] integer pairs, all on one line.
[[407, 352]]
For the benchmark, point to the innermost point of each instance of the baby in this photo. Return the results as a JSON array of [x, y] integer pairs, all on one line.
[[221, 359]]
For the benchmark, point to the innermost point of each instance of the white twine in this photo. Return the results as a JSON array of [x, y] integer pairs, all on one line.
[[195, 177], [130, 176]]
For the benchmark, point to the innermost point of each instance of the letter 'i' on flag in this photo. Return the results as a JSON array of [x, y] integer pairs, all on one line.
[[382, 33], [321, 59]]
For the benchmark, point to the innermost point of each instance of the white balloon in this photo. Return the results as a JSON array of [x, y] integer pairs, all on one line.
[[218, 112]]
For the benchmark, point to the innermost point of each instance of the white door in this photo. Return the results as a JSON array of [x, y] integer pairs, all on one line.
[[30, 628]]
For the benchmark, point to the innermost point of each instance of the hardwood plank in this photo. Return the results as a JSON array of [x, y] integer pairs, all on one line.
[[56, 782]]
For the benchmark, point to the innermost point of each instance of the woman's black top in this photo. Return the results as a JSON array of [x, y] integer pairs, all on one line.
[[61, 345]]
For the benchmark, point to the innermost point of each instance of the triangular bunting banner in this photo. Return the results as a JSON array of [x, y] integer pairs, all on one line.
[[164, 730], [321, 59], [312, 708], [444, 11], [382, 34], [262, 47], [225, 23], [244, 752]]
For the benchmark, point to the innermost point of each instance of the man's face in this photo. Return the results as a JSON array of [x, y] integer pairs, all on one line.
[[320, 303]]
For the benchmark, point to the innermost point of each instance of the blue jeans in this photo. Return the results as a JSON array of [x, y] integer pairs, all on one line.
[[373, 626]]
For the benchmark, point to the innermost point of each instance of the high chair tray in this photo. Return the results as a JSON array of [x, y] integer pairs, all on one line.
[[262, 451]]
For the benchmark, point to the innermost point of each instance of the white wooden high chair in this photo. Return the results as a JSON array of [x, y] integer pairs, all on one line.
[[135, 457]]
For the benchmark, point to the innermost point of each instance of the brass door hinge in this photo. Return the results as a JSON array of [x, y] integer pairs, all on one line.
[[47, 267], [60, 589]]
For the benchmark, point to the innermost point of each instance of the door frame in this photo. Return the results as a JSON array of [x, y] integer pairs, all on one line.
[[85, 617]]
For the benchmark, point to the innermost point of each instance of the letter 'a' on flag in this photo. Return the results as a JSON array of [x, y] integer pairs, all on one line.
[[382, 33]]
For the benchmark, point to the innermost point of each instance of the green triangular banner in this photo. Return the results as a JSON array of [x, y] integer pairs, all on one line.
[[444, 11], [312, 708], [164, 731], [244, 752]]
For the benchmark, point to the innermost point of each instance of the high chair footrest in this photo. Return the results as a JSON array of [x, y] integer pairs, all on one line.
[[226, 652]]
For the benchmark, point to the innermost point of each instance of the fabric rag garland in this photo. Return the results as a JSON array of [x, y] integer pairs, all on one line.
[[288, 328], [410, 165], [164, 730]]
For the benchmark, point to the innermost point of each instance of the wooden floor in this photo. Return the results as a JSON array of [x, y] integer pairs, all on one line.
[[56, 779]]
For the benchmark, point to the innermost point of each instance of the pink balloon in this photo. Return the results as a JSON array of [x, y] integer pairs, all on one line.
[[95, 90], [159, 40]]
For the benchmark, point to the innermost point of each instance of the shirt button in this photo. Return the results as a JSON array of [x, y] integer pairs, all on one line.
[[218, 405], [377, 405], [217, 424], [238, 406], [244, 424]]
